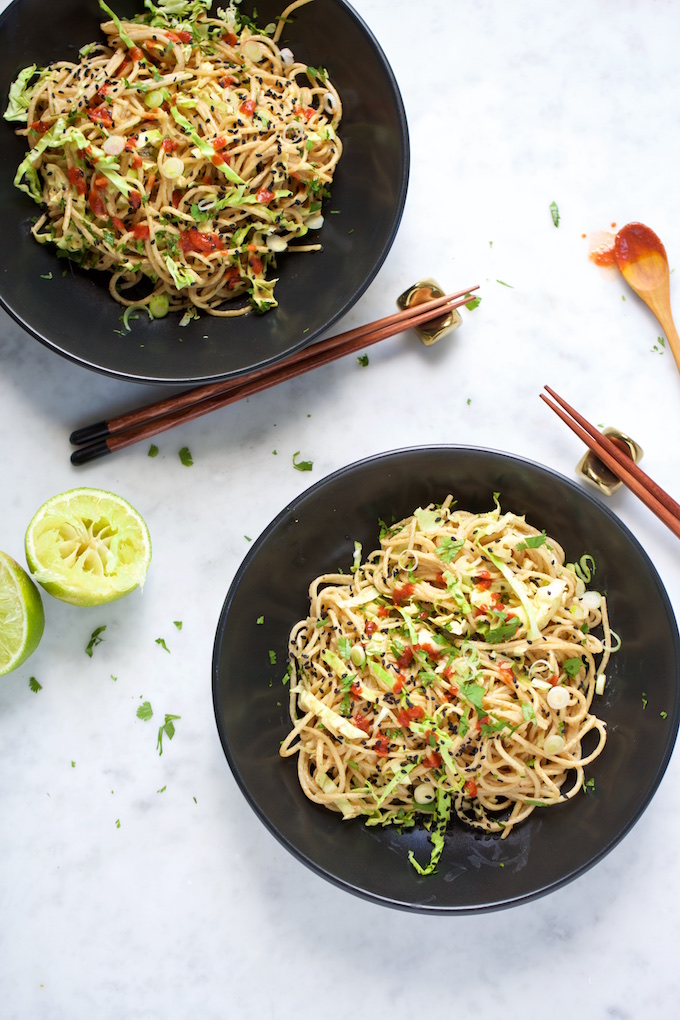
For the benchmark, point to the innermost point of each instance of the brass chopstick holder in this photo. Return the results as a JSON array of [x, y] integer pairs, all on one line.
[[598, 474], [430, 332]]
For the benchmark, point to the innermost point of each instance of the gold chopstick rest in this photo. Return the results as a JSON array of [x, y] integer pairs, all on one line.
[[430, 332], [594, 471]]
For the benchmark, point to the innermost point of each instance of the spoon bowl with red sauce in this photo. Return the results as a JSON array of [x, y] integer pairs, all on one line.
[[641, 259]]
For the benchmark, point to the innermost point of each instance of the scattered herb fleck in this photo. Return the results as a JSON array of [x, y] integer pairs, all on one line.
[[644, 699], [589, 785], [145, 711], [178, 624], [168, 728], [533, 541], [555, 213], [160, 641], [46, 276], [473, 303], [118, 823], [260, 619], [185, 456], [153, 450], [363, 360], [162, 789], [664, 715], [272, 657], [34, 685], [95, 639], [301, 465], [504, 284]]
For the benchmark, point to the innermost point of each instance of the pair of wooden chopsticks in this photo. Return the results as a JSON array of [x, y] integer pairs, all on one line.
[[107, 436], [619, 463]]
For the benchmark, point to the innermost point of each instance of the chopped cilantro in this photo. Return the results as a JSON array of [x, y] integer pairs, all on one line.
[[301, 465], [272, 657], [145, 711], [260, 619], [555, 213], [572, 667], [185, 456], [34, 685], [473, 303], [178, 624], [153, 451], [95, 640], [363, 360], [533, 541], [161, 641], [168, 728]]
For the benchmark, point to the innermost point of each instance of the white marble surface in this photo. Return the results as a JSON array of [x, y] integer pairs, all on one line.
[[190, 908]]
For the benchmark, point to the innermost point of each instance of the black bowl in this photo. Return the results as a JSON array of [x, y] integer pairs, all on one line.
[[315, 534], [74, 314]]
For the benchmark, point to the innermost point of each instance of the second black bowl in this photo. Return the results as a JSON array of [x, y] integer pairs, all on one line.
[[72, 312]]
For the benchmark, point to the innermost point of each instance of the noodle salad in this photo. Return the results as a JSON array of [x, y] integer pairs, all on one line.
[[451, 672], [181, 156]]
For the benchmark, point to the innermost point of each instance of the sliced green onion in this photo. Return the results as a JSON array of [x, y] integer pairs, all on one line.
[[154, 99], [159, 306], [172, 168], [253, 51], [357, 655], [554, 744]]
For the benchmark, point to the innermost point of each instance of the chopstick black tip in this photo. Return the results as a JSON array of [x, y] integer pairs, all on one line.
[[88, 433], [90, 452]]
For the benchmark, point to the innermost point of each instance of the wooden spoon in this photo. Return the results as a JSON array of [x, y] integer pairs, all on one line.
[[641, 258]]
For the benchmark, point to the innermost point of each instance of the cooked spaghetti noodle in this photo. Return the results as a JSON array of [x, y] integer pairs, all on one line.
[[453, 669], [181, 156]]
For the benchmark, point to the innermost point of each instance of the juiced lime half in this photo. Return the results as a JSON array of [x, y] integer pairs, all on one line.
[[88, 546], [22, 619]]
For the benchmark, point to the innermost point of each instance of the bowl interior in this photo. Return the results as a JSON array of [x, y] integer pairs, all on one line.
[[71, 311], [316, 533]]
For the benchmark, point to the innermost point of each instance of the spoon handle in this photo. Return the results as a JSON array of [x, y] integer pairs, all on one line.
[[668, 326]]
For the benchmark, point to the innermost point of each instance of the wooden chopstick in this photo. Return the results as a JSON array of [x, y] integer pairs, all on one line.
[[105, 437], [621, 465]]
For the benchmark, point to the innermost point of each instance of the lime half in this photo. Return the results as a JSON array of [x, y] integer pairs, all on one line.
[[22, 619], [88, 546]]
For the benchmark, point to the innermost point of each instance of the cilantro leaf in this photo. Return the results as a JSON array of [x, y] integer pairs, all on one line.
[[572, 666], [167, 729], [95, 640], [505, 629], [34, 685], [301, 465], [185, 456], [533, 541], [145, 711]]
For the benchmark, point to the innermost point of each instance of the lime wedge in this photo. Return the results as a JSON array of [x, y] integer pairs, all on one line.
[[88, 546], [22, 619]]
